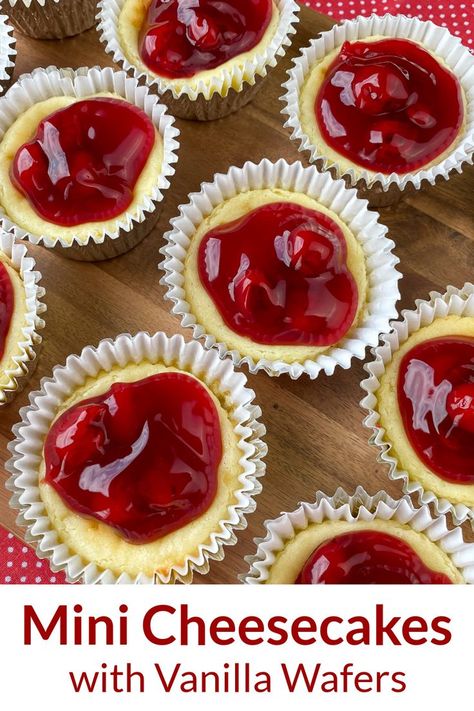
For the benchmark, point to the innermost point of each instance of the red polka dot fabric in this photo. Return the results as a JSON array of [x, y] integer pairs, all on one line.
[[457, 16], [18, 563]]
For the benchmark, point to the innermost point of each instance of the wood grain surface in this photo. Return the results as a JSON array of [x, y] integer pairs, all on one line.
[[315, 436]]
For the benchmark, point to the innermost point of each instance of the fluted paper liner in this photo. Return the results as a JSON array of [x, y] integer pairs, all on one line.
[[454, 301], [30, 434], [434, 38], [52, 19], [25, 358], [131, 227], [228, 90], [382, 276], [7, 52], [352, 508]]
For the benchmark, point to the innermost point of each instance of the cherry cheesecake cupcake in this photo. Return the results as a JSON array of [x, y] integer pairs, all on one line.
[[205, 59], [384, 101], [85, 158], [137, 461], [420, 399], [282, 268], [361, 540]]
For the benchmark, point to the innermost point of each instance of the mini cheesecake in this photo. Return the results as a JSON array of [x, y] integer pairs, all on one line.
[[362, 552], [51, 19], [12, 318], [187, 45], [374, 105], [72, 167], [425, 401], [139, 467], [275, 274]]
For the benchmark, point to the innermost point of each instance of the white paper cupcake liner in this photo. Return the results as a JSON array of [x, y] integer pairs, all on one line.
[[7, 53], [51, 19], [30, 434], [25, 358], [131, 227], [459, 302], [206, 100], [382, 276], [434, 38], [358, 507]]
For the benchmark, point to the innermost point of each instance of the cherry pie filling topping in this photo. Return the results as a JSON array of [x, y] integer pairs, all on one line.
[[436, 401], [142, 458], [84, 161], [279, 276], [180, 38], [380, 107], [367, 558]]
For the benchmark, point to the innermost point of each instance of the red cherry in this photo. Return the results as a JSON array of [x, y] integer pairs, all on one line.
[[252, 292], [203, 33], [379, 89], [421, 116], [85, 425], [309, 251], [158, 37], [460, 406], [394, 141]]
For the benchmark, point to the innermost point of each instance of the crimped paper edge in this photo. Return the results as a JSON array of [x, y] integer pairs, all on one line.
[[224, 79], [448, 47], [24, 359], [7, 51], [52, 19], [29, 3], [359, 506], [289, 176], [73, 83], [453, 301], [120, 351]]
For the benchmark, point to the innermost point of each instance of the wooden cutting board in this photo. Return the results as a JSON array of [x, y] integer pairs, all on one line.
[[315, 436]]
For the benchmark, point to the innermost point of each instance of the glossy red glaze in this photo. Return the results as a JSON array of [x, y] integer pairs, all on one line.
[[436, 401], [279, 276], [380, 105], [370, 558], [7, 304], [84, 161], [143, 457], [180, 38]]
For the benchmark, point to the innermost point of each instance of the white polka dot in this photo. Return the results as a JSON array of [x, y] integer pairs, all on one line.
[[38, 579], [9, 564], [8, 579], [10, 549], [24, 549], [24, 564], [23, 579]]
